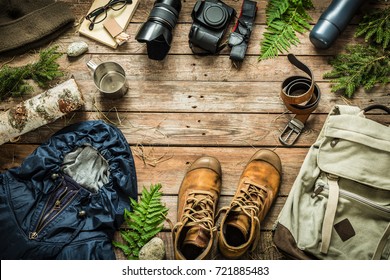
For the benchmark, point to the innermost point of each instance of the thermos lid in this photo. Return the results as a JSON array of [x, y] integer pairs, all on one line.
[[323, 34]]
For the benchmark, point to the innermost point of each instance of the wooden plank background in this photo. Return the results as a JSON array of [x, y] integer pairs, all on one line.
[[187, 106]]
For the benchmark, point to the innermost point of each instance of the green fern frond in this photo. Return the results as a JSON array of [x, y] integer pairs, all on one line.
[[285, 19], [277, 40], [130, 240], [375, 26], [144, 222], [275, 9], [361, 66], [124, 248], [150, 234]]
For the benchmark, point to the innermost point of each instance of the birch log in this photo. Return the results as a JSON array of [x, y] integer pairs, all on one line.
[[40, 110]]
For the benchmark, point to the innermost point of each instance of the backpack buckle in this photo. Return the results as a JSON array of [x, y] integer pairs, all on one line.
[[291, 132]]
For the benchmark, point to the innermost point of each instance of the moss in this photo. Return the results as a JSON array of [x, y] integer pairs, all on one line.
[[18, 117], [41, 110]]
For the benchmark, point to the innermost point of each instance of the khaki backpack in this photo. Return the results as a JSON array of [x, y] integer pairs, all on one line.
[[339, 205]]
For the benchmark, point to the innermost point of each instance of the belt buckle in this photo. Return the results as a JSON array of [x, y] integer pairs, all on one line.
[[287, 137]]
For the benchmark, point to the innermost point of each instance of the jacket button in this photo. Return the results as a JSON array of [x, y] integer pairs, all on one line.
[[55, 176], [82, 214]]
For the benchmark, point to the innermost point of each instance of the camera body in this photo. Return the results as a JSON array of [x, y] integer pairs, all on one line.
[[211, 19], [156, 32], [333, 21]]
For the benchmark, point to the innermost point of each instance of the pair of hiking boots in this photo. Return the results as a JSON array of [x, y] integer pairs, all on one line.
[[195, 231]]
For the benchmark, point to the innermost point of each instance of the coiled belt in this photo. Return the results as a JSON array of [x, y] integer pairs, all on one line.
[[301, 96]]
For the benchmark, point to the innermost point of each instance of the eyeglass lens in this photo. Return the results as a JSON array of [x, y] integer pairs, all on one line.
[[100, 14]]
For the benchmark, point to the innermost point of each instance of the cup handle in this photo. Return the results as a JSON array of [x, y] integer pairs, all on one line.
[[92, 65]]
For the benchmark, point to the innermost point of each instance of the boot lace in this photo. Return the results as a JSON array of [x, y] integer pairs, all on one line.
[[250, 201], [198, 211]]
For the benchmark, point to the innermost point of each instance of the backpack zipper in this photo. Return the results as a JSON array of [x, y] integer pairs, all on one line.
[[321, 186], [53, 207]]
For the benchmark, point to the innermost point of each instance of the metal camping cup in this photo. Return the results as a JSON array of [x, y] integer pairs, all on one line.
[[109, 78]]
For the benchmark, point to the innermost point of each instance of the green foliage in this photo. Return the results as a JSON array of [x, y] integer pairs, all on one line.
[[361, 65], [375, 27], [284, 19], [13, 79], [144, 222]]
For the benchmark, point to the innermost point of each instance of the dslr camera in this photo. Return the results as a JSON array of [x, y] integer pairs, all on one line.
[[156, 32], [211, 19]]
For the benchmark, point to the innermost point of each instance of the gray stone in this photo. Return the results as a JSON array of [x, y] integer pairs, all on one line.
[[153, 250], [77, 48]]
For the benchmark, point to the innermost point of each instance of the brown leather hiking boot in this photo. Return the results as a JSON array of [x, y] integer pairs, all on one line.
[[257, 189], [197, 202]]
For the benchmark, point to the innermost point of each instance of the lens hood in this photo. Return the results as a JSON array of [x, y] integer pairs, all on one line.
[[156, 32], [157, 38]]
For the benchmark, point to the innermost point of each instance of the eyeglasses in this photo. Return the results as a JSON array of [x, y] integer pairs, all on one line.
[[100, 14]]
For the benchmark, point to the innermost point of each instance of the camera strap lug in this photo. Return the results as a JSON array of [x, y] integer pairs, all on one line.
[[239, 38], [301, 96]]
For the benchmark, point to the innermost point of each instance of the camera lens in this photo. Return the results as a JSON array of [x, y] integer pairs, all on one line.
[[157, 31], [164, 14]]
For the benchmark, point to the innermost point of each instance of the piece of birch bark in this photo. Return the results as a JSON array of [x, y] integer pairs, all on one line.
[[40, 110]]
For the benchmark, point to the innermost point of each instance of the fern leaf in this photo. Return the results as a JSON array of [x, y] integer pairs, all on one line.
[[275, 9], [144, 222], [284, 20], [152, 233], [123, 247], [156, 214], [137, 225], [140, 211], [154, 220]]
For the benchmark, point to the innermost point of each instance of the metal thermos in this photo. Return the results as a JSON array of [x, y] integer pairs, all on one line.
[[333, 21]]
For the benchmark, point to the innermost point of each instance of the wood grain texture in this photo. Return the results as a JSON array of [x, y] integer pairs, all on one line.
[[168, 165], [187, 106]]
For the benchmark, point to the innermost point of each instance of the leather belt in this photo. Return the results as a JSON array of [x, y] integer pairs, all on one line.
[[239, 38], [301, 96]]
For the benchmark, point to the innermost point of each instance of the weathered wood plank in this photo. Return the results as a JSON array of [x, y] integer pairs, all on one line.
[[232, 97], [188, 106], [168, 165], [191, 68], [195, 129], [190, 129]]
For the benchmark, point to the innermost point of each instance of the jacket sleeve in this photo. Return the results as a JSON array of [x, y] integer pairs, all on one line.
[[95, 249]]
